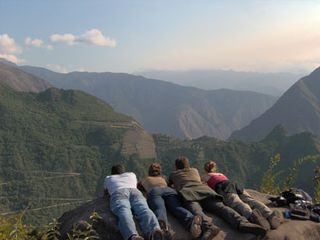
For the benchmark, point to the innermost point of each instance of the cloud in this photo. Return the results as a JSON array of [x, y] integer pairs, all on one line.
[[9, 49], [63, 38], [8, 45], [34, 42], [93, 36], [38, 43]]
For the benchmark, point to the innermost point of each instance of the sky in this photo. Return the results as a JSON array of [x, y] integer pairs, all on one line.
[[138, 35]]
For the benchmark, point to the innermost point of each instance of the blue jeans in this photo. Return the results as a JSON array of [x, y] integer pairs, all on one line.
[[128, 202], [161, 197]]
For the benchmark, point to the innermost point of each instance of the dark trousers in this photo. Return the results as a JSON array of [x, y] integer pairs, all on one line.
[[160, 198], [216, 207]]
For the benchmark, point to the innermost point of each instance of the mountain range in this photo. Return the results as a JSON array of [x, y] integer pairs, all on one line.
[[297, 110], [57, 145], [21, 81], [267, 83], [162, 107]]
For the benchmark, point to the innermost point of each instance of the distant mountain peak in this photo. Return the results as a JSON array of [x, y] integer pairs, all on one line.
[[298, 110]]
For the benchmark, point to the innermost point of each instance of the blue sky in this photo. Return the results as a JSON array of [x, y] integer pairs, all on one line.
[[136, 35]]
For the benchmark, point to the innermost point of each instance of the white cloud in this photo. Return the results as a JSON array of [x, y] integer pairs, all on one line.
[[9, 49], [34, 42], [63, 38], [38, 43], [93, 36], [8, 45]]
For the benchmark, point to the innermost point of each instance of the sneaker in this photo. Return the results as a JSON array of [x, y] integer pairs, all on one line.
[[210, 233], [257, 218], [157, 234], [195, 228], [136, 237], [247, 227], [274, 221]]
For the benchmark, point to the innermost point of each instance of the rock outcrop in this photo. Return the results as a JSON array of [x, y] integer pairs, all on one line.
[[107, 226]]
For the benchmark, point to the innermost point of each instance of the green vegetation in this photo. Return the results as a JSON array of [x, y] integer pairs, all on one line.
[[13, 228], [248, 163], [55, 149], [268, 183]]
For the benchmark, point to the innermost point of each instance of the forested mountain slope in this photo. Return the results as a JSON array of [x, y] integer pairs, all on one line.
[[163, 107]]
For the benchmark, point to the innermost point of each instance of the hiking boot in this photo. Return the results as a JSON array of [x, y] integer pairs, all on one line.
[[136, 237], [163, 225], [247, 227], [157, 234], [210, 233], [257, 218], [274, 221], [195, 228]]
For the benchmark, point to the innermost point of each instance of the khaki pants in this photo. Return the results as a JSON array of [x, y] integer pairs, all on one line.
[[244, 203]]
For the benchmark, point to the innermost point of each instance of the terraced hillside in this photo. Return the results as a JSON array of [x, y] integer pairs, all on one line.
[[56, 147]]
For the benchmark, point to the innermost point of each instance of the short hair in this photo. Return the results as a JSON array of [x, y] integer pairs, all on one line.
[[210, 166], [182, 162], [155, 169], [117, 169]]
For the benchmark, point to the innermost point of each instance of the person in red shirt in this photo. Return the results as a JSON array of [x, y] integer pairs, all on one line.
[[238, 199]]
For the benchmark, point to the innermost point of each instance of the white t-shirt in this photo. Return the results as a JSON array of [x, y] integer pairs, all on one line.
[[125, 180]]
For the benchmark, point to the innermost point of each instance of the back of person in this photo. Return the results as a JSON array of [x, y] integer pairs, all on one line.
[[184, 176], [151, 182], [215, 178], [120, 181]]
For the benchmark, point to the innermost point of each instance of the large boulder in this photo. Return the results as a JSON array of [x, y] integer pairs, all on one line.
[[107, 228]]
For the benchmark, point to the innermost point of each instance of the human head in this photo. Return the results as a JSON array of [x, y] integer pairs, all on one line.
[[117, 169], [210, 166], [182, 162], [155, 169]]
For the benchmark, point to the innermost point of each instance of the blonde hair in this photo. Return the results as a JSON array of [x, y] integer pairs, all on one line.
[[210, 166]]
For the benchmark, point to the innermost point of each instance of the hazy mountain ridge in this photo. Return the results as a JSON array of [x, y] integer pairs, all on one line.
[[267, 83], [19, 80], [298, 110], [163, 107]]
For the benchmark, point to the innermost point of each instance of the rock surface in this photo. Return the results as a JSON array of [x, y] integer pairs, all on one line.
[[107, 227]]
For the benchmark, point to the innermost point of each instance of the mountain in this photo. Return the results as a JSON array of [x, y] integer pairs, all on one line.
[[19, 80], [297, 110], [246, 162], [163, 107], [56, 146], [267, 83]]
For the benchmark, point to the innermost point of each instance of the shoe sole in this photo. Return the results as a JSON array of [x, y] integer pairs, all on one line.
[[213, 233], [157, 235], [254, 230], [195, 228], [260, 220]]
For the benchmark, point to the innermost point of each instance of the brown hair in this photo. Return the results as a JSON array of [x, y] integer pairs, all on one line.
[[155, 169], [210, 166], [182, 162]]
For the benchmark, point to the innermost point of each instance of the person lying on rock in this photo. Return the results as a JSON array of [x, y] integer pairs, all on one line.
[[238, 199], [160, 197], [197, 195], [125, 201]]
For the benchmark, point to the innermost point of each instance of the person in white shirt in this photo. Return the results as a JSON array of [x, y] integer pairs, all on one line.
[[127, 201]]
